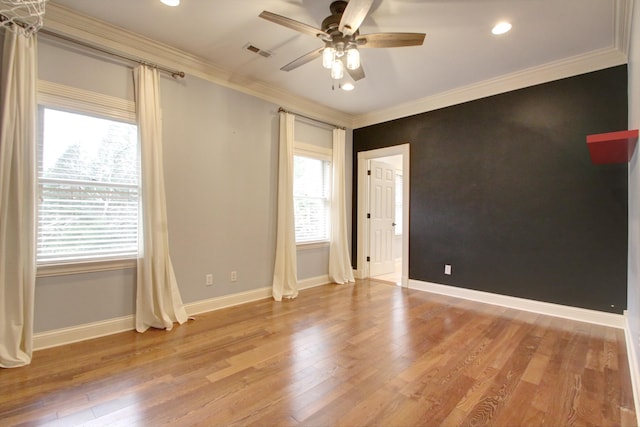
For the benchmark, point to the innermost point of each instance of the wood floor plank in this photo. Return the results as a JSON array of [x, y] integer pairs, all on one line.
[[498, 396], [363, 354]]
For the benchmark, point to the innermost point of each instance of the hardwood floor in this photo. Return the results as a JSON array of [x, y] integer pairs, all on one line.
[[369, 354]]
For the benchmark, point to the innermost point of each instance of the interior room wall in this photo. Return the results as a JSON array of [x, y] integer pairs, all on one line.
[[503, 189], [633, 292], [220, 158]]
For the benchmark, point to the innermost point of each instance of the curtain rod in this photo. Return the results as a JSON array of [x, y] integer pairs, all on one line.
[[174, 73], [282, 110]]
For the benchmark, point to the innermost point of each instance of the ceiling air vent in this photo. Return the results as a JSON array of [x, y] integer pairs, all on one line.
[[252, 48]]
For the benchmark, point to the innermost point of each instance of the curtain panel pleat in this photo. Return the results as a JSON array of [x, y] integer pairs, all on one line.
[[340, 270], [285, 272], [17, 197], [158, 301]]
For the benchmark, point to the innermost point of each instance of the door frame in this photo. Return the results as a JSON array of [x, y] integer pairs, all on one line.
[[362, 271]]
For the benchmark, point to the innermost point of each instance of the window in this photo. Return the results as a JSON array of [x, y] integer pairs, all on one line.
[[311, 195], [88, 188]]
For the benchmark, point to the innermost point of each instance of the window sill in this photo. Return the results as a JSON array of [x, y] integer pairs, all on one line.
[[47, 270], [312, 245]]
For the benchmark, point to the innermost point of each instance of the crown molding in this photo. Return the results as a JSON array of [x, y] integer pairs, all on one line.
[[623, 14], [568, 67], [73, 24], [68, 22], [580, 64]]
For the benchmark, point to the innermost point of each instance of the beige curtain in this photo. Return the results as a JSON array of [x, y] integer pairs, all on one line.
[[158, 302], [285, 272], [17, 197], [340, 270]]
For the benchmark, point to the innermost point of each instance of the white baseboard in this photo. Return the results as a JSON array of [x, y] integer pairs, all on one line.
[[225, 301], [58, 337], [218, 303], [550, 309], [312, 282], [634, 369]]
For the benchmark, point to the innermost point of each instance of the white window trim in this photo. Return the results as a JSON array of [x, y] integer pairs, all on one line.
[[315, 152], [82, 101], [67, 98], [49, 270], [310, 150], [312, 245]]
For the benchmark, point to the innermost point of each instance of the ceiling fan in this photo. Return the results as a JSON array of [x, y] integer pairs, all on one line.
[[342, 39]]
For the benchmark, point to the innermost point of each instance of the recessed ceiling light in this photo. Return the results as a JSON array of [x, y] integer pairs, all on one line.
[[501, 28], [171, 2], [348, 86]]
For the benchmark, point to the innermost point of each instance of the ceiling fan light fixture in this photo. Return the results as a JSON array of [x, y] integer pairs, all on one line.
[[328, 55], [171, 3], [340, 33], [337, 70], [353, 58], [348, 86], [501, 28]]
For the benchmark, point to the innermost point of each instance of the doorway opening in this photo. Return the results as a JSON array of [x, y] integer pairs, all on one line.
[[383, 214]]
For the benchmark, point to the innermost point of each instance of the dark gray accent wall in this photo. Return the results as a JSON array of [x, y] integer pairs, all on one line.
[[503, 189]]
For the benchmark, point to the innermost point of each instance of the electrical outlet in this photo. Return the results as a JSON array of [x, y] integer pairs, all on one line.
[[234, 276], [208, 279], [447, 269]]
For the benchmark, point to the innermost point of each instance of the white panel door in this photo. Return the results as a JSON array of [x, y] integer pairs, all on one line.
[[381, 224]]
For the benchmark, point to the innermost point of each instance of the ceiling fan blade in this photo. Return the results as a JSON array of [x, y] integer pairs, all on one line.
[[377, 40], [356, 74], [294, 25], [307, 57], [353, 16]]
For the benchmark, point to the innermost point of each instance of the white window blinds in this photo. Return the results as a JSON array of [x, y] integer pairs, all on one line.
[[311, 191], [88, 188]]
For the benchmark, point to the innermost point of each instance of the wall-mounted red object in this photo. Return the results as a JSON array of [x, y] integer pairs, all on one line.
[[612, 147]]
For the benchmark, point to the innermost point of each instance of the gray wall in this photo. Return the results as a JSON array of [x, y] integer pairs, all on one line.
[[220, 157]]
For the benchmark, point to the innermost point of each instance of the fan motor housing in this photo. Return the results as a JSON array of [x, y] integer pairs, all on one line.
[[338, 7], [331, 23]]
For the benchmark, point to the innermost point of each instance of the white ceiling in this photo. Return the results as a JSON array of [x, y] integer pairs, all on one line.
[[459, 49]]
